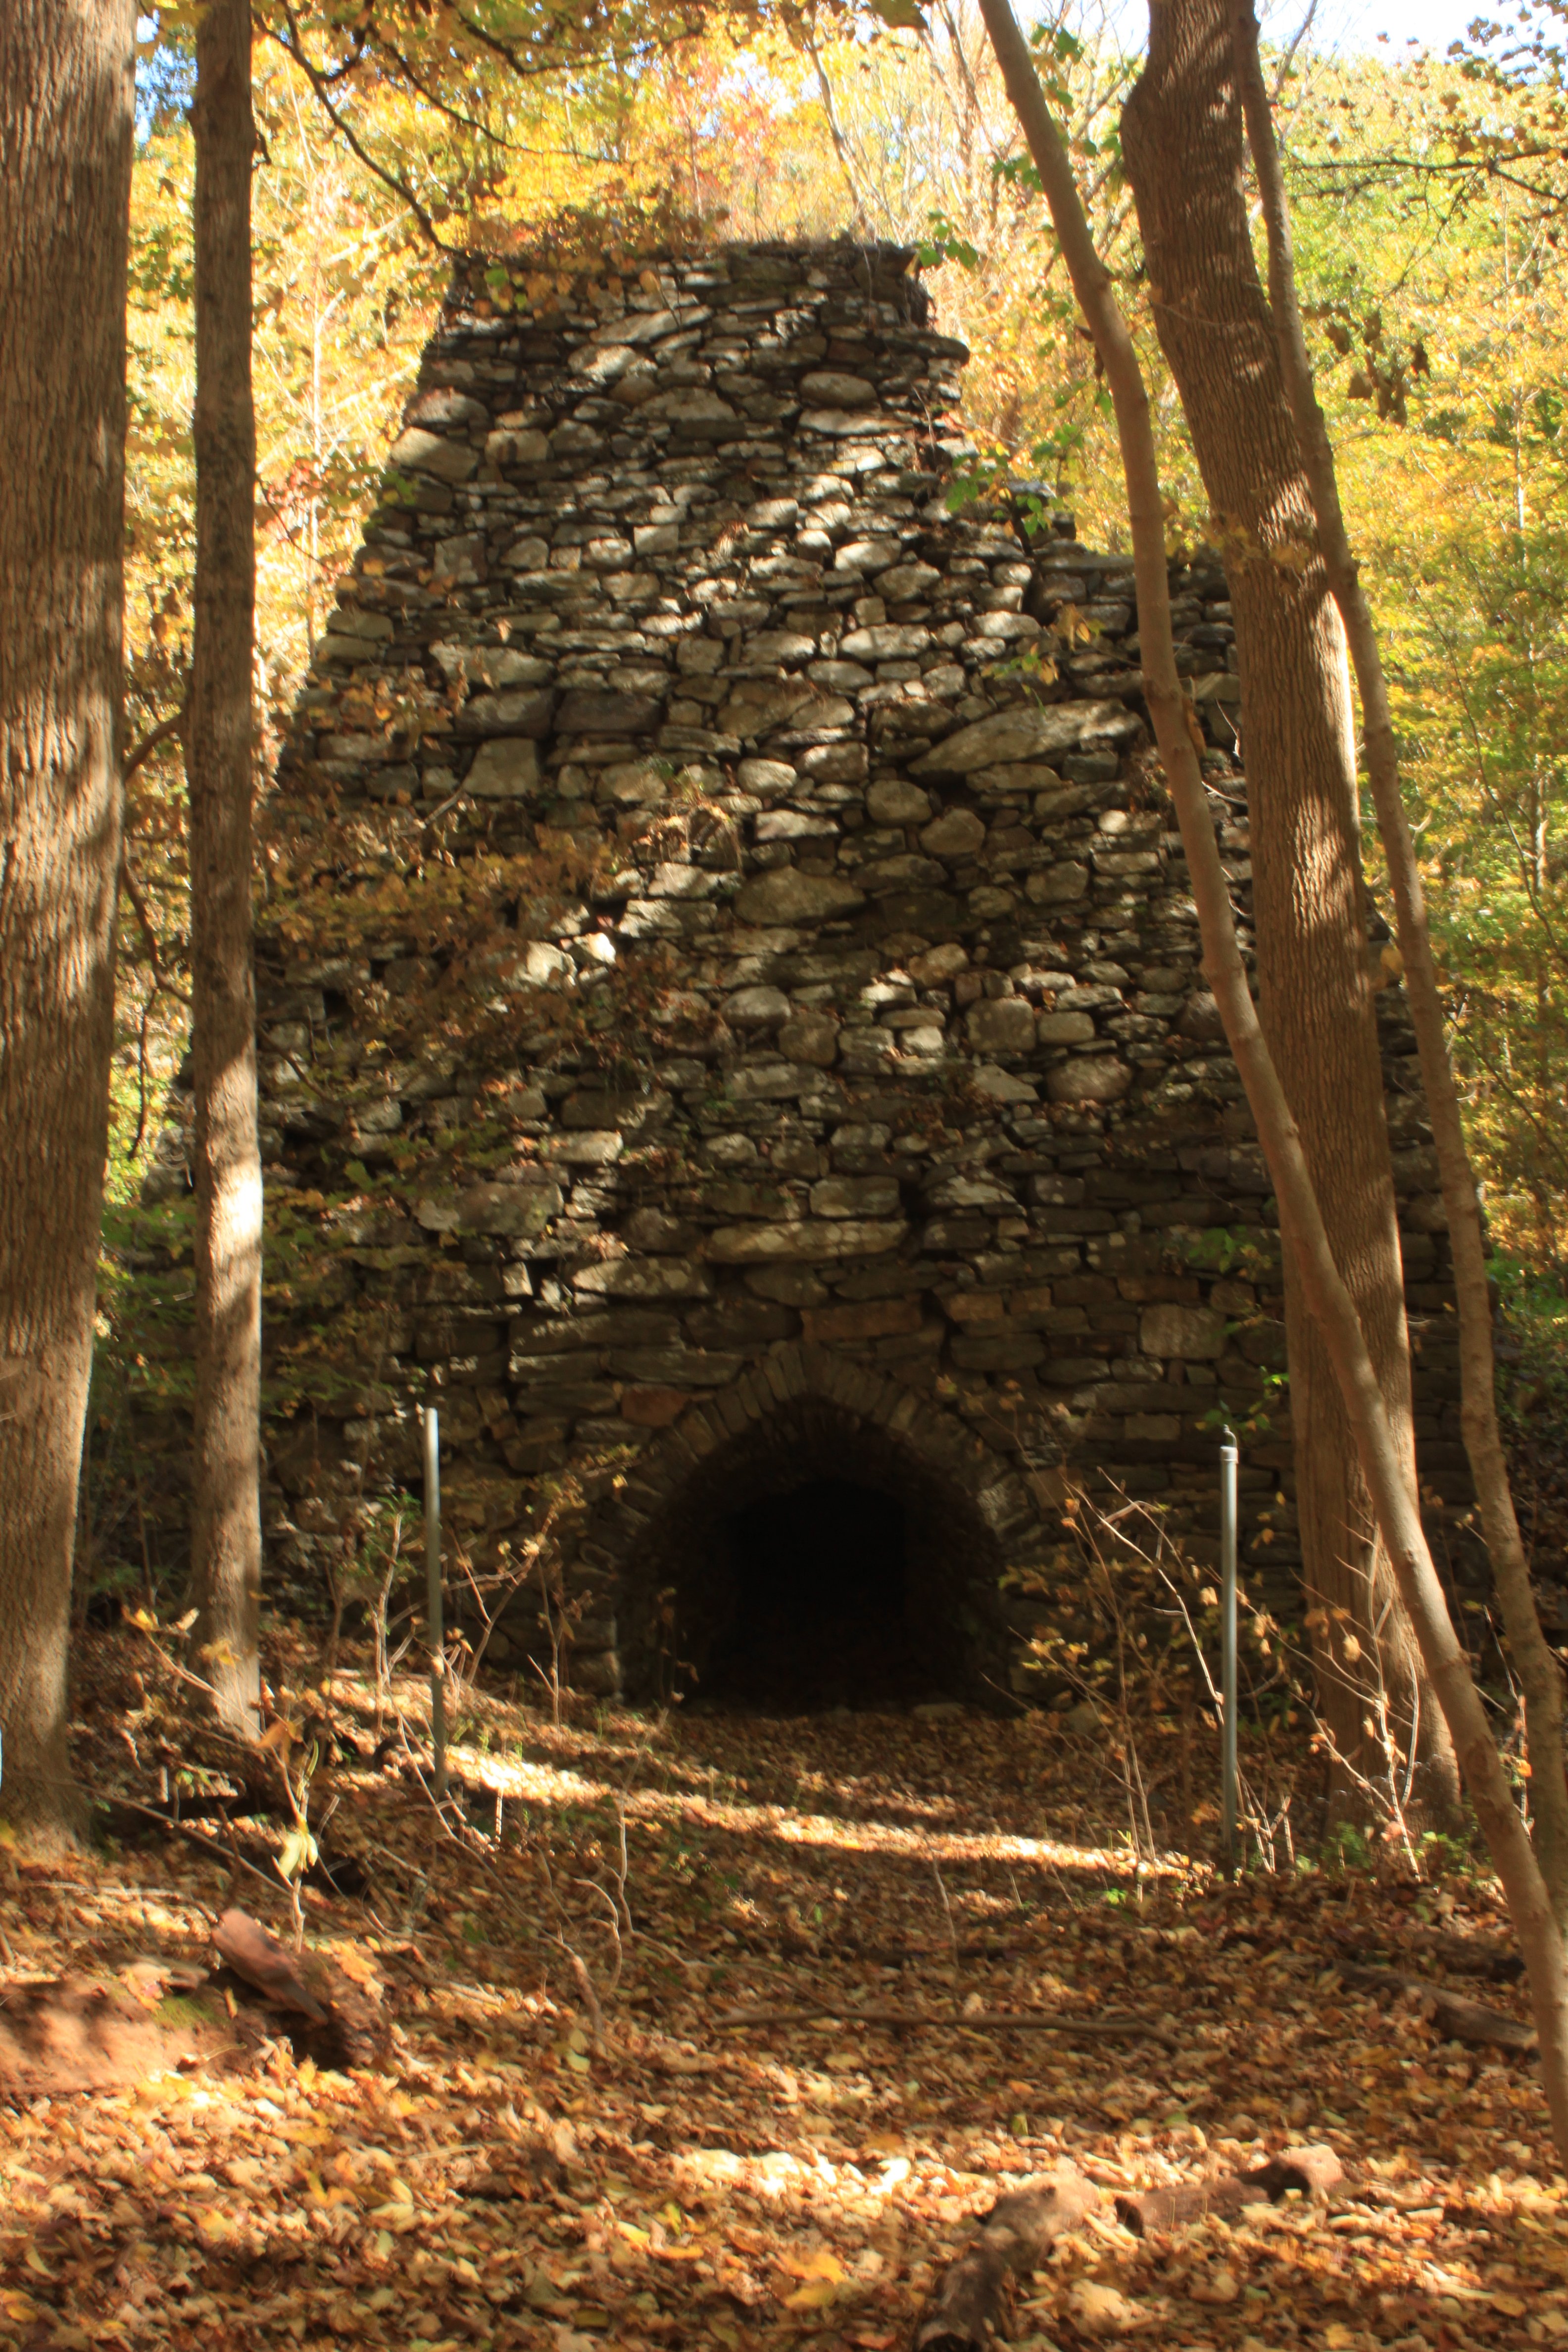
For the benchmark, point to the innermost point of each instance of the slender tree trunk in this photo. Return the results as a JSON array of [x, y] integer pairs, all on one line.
[[1539, 1675], [1183, 142], [227, 1548], [66, 123], [1303, 1231]]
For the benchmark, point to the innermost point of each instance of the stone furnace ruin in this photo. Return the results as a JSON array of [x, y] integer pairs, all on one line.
[[924, 1187]]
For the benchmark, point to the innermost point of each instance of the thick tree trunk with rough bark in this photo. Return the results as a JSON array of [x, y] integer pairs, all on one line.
[[1302, 1228], [66, 122], [1540, 1676], [226, 1531], [1183, 144]]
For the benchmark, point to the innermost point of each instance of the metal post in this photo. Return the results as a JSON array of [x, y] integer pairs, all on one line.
[[1229, 1454], [435, 1628]]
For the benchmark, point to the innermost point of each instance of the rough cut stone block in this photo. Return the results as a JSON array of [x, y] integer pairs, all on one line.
[[1065, 1028], [366, 750], [861, 555], [542, 965], [521, 447], [640, 327], [811, 1241], [788, 897], [907, 584], [444, 406], [892, 801], [419, 452], [598, 1106], [1011, 1353], [518, 712], [517, 1210], [874, 1318], [637, 1277], [788, 1286], [904, 872], [600, 711], [786, 645], [834, 763], [936, 966], [811, 1038], [854, 1196], [693, 409], [1186, 1333], [765, 1081], [868, 424], [1058, 885], [504, 769], [1002, 1086], [1025, 734], [590, 1148], [459, 563], [970, 1193], [1152, 1428], [1088, 1080], [767, 778], [834, 389], [359, 621], [1004, 1024], [761, 706], [757, 1008], [957, 833], [674, 881], [884, 641]]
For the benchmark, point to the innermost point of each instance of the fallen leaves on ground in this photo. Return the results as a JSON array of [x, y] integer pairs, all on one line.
[[514, 2164]]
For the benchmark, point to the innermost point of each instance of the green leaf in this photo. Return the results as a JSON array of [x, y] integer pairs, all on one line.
[[945, 243]]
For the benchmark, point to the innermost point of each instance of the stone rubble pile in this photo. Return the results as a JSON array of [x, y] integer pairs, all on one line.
[[668, 572]]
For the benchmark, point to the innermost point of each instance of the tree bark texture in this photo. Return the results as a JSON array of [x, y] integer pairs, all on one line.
[[1540, 1676], [1182, 141], [66, 124], [1302, 1228], [227, 1517]]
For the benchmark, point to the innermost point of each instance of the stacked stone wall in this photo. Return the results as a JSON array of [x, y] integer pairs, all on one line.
[[944, 1141]]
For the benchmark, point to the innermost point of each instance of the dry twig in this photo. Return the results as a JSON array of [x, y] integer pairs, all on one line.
[[979, 2021]]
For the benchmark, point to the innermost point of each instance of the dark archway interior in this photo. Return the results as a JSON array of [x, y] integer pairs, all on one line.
[[819, 1598], [812, 1562]]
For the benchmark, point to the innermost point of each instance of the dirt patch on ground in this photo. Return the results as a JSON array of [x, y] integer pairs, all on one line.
[[76, 2034]]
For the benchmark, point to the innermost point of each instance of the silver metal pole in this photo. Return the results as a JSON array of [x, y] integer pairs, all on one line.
[[1229, 1456], [435, 1627]]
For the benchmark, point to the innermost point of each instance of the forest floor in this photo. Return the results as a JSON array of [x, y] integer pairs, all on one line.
[[572, 2091]]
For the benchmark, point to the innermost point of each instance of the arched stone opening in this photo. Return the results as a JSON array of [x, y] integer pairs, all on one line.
[[814, 1559]]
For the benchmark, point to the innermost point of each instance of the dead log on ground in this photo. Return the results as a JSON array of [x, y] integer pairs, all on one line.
[[262, 1962], [1312, 2170], [967, 2312], [1457, 2018]]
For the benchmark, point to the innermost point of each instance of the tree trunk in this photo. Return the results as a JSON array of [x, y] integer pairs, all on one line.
[[226, 1530], [1303, 1229], [1540, 1676], [66, 123], [1183, 141]]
